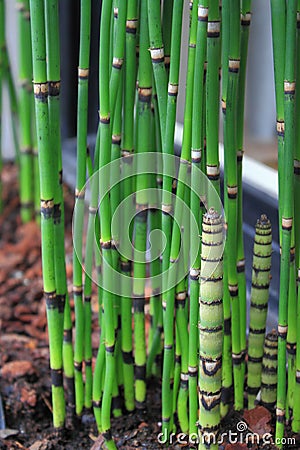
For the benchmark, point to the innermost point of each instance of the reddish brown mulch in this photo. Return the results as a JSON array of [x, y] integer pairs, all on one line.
[[24, 361]]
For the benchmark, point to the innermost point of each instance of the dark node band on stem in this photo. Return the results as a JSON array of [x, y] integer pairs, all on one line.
[[105, 245], [57, 213], [167, 61], [223, 104], [97, 403], [127, 357], [213, 172], [116, 139], [211, 279], [240, 266], [57, 377], [47, 207], [227, 326], [117, 63], [173, 89], [77, 290], [289, 87], [234, 65], [194, 274], [79, 194], [184, 379], [296, 167], [139, 304], [298, 376], [131, 26], [257, 330], [210, 366], [140, 372], [144, 94], [208, 430], [239, 155], [68, 336], [180, 299], [260, 286], [226, 394], [202, 13], [253, 390], [193, 371], [210, 400], [259, 306], [196, 155], [280, 415], [232, 192], [52, 300], [178, 359], [215, 302], [287, 223], [110, 348], [255, 360], [78, 366], [104, 118], [83, 74], [280, 128], [107, 435], [125, 266], [40, 91], [213, 29], [246, 19], [116, 403], [157, 55], [291, 348], [233, 290], [166, 209], [237, 358], [54, 88]]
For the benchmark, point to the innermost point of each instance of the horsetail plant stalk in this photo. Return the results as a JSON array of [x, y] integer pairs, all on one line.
[[269, 371], [210, 329], [196, 210], [25, 113], [259, 305], [142, 184], [55, 306], [167, 18], [8, 78], [105, 219], [296, 408], [212, 95], [227, 379], [287, 199], [83, 74], [53, 76], [127, 146], [245, 25], [230, 164], [168, 305]]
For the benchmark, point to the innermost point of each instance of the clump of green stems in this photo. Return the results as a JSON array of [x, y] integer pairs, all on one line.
[[6, 79], [199, 318]]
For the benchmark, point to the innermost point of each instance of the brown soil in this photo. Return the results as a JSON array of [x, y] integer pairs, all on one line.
[[25, 385]]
